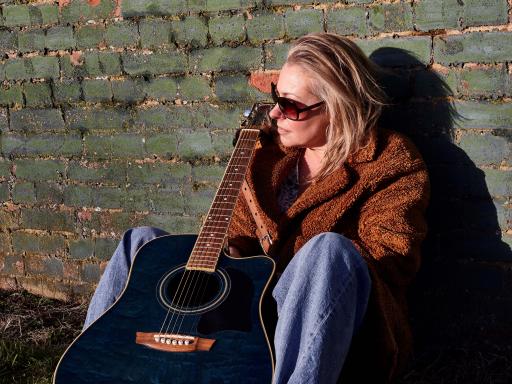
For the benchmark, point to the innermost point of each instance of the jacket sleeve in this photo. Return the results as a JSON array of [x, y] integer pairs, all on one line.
[[242, 230], [392, 225]]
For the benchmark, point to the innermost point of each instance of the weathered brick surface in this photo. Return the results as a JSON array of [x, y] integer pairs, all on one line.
[[122, 113]]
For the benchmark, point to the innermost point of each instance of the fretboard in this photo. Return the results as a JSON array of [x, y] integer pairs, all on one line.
[[210, 240]]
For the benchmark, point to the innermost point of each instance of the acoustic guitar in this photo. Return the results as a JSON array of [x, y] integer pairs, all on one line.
[[189, 314]]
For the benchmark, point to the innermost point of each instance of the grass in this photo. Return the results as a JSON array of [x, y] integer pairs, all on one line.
[[464, 348], [34, 332]]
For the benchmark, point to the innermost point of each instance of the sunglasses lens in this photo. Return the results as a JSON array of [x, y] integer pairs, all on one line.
[[287, 107]]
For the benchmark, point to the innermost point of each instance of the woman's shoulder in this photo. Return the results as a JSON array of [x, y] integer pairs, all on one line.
[[396, 147]]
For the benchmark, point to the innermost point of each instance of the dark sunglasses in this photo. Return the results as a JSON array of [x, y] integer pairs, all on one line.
[[289, 107]]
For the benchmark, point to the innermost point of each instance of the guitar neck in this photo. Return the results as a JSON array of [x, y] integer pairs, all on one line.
[[210, 241]]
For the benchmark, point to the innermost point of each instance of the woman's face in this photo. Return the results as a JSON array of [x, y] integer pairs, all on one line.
[[309, 131]]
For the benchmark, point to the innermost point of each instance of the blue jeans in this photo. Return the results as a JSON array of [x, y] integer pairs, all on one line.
[[321, 301]]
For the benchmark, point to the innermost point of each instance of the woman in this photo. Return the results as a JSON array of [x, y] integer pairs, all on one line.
[[344, 202]]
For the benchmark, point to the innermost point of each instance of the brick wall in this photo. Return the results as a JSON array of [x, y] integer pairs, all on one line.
[[120, 113]]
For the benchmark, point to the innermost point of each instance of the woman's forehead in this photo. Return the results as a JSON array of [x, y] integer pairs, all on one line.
[[294, 81]]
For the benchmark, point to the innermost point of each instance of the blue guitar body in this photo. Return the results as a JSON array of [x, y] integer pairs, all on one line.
[[228, 311]]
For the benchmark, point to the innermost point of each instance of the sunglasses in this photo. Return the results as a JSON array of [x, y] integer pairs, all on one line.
[[288, 107]]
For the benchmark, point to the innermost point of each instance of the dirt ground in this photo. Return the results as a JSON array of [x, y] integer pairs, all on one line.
[[35, 331]]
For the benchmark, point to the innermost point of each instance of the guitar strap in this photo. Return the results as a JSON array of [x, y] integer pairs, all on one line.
[[261, 229]]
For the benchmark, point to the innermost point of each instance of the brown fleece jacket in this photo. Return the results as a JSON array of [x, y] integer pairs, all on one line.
[[377, 199]]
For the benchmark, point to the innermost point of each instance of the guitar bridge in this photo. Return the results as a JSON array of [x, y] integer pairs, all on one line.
[[173, 342]]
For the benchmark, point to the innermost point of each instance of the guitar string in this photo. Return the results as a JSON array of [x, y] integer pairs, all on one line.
[[242, 163], [234, 162], [191, 274], [200, 274]]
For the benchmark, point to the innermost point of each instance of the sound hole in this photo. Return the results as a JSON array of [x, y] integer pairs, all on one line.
[[187, 291]]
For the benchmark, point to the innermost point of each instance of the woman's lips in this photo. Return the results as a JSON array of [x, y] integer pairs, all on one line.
[[281, 130]]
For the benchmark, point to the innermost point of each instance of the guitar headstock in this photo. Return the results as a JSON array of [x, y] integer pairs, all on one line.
[[258, 118]]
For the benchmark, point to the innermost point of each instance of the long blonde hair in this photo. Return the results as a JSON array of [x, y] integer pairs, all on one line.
[[345, 78]]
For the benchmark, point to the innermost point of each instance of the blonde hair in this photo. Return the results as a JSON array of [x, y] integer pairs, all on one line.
[[345, 78]]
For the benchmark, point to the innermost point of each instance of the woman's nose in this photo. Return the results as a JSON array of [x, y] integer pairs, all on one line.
[[275, 113]]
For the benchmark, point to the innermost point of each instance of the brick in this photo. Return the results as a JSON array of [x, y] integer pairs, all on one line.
[[222, 5], [8, 220], [225, 59], [133, 8], [97, 119], [167, 201], [483, 81], [128, 91], [155, 33], [11, 95], [137, 199], [49, 192], [39, 169], [127, 145], [102, 63], [111, 172], [5, 247], [275, 55], [24, 192], [265, 26], [222, 143], [483, 114], [390, 17], [12, 264], [122, 34], [236, 88], [41, 144], [98, 147], [109, 197], [45, 67], [47, 220], [347, 21], [96, 90], [195, 144], [303, 21], [66, 91], [104, 248], [17, 69], [483, 47], [289, 2], [194, 88], [426, 83], [49, 13], [37, 243], [4, 123], [90, 273], [418, 47], [167, 117], [5, 169], [192, 31], [227, 29], [162, 144], [498, 182], [78, 196], [173, 223], [198, 202], [437, 14], [158, 173], [80, 10], [31, 41], [154, 64], [60, 38], [35, 16], [487, 12], [37, 120], [89, 36], [16, 15], [161, 88], [208, 174], [485, 149], [81, 249], [38, 95], [211, 117], [4, 191], [8, 40]]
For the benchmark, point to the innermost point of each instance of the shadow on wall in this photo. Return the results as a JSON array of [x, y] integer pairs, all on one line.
[[462, 293]]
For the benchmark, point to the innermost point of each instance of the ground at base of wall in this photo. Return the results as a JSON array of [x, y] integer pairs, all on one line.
[[34, 332]]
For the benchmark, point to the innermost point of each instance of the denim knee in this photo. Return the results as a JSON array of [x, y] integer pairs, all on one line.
[[135, 237]]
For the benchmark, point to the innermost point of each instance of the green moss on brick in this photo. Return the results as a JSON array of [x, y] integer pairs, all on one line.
[[23, 192], [30, 41], [390, 17], [226, 59], [37, 119], [128, 91], [11, 95], [16, 15], [303, 21], [227, 29], [96, 90], [38, 94], [265, 26], [85, 119], [60, 38], [191, 31], [275, 55], [27, 169], [155, 33], [194, 88], [66, 91], [161, 88], [437, 14], [46, 67], [89, 36], [154, 64], [122, 34]]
